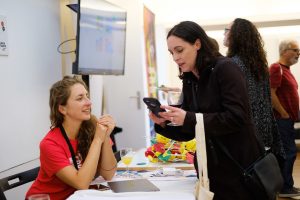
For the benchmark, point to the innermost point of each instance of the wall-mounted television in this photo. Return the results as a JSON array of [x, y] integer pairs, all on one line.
[[101, 36]]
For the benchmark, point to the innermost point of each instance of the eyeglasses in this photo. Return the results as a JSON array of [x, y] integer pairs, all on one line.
[[226, 30], [295, 50]]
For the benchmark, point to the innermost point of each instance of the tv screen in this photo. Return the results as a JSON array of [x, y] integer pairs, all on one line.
[[101, 34]]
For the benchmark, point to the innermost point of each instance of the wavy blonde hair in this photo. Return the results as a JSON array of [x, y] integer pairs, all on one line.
[[59, 95]]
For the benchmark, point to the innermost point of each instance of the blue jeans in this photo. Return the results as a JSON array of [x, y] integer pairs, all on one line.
[[288, 134]]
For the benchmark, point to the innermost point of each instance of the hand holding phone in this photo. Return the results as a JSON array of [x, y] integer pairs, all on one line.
[[154, 105]]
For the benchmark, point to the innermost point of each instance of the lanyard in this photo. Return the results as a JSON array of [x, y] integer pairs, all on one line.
[[70, 146]]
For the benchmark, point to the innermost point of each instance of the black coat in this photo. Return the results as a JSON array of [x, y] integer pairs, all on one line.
[[221, 95]]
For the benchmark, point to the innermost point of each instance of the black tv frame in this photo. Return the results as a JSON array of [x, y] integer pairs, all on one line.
[[75, 64]]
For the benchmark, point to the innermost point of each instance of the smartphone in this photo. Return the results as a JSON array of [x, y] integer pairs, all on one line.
[[154, 105]]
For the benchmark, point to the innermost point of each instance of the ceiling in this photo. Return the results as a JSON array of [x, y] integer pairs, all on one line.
[[217, 12]]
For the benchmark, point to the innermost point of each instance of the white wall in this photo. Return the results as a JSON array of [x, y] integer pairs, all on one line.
[[27, 73]]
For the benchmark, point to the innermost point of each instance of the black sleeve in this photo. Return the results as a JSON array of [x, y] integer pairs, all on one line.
[[180, 133]]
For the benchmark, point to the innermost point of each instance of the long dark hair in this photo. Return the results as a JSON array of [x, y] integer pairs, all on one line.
[[59, 95], [245, 41], [190, 31]]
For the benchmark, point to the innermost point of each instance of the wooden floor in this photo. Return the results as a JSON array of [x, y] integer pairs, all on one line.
[[296, 176]]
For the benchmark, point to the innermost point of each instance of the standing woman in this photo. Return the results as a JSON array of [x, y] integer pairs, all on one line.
[[213, 85], [61, 171], [245, 47]]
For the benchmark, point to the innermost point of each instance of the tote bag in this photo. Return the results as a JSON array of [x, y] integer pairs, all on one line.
[[202, 186]]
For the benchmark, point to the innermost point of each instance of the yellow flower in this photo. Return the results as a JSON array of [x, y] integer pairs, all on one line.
[[191, 145], [162, 139]]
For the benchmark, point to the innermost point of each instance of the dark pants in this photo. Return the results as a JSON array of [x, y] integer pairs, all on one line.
[[288, 133]]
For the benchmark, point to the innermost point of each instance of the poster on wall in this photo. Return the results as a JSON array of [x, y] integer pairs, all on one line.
[[3, 36], [149, 33]]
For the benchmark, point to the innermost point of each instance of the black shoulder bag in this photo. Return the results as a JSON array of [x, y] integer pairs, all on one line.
[[262, 178], [70, 146]]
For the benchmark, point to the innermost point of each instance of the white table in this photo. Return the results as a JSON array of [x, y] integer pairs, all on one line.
[[170, 188]]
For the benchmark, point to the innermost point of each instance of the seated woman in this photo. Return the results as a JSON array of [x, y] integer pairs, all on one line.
[[77, 148]]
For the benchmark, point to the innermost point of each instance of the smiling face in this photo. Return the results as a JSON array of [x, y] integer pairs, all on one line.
[[184, 53], [78, 107]]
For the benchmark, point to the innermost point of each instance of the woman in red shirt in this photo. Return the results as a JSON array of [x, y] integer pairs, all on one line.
[[77, 148]]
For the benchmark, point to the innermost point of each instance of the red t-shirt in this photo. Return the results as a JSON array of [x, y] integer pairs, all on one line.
[[54, 155], [287, 89]]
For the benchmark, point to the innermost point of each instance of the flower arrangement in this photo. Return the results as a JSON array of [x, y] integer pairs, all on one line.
[[164, 149]]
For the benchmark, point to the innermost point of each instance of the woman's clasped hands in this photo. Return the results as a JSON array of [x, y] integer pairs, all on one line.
[[105, 126]]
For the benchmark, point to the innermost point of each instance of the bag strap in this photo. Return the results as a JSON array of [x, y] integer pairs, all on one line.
[[201, 150], [243, 170], [70, 146], [224, 149]]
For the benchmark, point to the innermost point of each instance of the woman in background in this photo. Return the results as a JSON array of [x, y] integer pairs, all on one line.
[[213, 85], [77, 148], [245, 47]]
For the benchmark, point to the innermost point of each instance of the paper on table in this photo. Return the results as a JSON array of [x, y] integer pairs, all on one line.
[[156, 175], [107, 195], [150, 175]]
